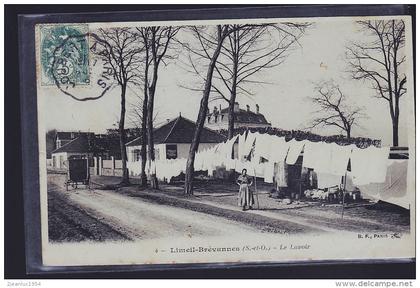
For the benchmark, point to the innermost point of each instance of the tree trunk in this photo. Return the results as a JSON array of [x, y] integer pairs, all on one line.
[[143, 149], [232, 100], [124, 180], [143, 153], [150, 143], [395, 112], [231, 127], [348, 133], [231, 117], [189, 170], [395, 129]]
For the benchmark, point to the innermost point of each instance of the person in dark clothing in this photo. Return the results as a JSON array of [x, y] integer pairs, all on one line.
[[245, 195]]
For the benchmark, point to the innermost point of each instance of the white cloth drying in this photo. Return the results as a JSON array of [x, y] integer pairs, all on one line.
[[315, 155], [326, 180], [281, 174], [295, 149], [249, 142], [241, 146], [369, 165], [263, 145], [328, 158], [278, 149], [340, 156], [268, 172]]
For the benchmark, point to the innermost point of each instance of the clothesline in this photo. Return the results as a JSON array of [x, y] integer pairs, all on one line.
[[321, 156], [270, 155], [305, 135], [263, 151]]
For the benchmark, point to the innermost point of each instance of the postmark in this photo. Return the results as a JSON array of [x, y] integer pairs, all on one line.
[[69, 62], [64, 55]]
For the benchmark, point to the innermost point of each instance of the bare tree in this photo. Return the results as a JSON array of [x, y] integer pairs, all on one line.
[[221, 32], [247, 51], [157, 42], [118, 47], [379, 61], [138, 117], [334, 109]]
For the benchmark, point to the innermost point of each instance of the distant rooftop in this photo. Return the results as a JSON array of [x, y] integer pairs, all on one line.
[[241, 116], [244, 116], [77, 145], [69, 135], [180, 130]]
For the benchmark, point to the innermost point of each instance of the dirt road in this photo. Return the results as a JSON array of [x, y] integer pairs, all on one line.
[[67, 221], [107, 215]]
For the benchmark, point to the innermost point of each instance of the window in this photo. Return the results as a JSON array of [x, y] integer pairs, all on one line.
[[61, 162], [136, 155], [171, 151]]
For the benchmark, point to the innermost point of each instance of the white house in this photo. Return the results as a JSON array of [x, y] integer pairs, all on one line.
[[172, 141], [76, 148]]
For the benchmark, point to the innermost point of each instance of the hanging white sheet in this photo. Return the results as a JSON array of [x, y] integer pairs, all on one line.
[[394, 188], [369, 165], [295, 149]]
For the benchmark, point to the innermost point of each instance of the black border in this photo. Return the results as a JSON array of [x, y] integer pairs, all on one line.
[[14, 178]]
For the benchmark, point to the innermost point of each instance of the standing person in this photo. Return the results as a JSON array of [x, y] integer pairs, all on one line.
[[245, 196]]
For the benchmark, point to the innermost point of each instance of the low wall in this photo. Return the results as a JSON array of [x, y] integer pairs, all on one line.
[[111, 167]]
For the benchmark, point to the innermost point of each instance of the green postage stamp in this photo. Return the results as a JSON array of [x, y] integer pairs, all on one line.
[[64, 55]]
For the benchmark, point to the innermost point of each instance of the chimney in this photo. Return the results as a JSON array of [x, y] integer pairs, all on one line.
[[220, 108], [236, 107], [247, 108], [257, 108]]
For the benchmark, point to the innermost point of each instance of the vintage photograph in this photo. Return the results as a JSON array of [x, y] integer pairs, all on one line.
[[226, 141]]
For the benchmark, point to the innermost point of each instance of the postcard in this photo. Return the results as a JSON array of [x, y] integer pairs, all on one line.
[[226, 141]]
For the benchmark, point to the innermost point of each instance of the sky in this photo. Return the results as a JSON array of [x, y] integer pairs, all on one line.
[[285, 102]]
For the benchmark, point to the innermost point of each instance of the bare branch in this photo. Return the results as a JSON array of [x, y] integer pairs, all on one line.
[[334, 109]]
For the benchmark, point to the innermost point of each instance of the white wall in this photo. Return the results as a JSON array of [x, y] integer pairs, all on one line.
[[160, 152], [184, 149], [60, 159]]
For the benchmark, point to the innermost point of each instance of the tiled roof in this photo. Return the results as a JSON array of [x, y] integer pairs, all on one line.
[[244, 116], [180, 130], [78, 145], [65, 135]]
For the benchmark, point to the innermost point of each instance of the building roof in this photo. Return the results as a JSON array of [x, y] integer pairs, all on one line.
[[248, 117], [77, 145], [180, 130], [66, 135]]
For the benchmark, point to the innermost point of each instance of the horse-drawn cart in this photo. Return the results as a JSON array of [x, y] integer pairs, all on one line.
[[78, 173]]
